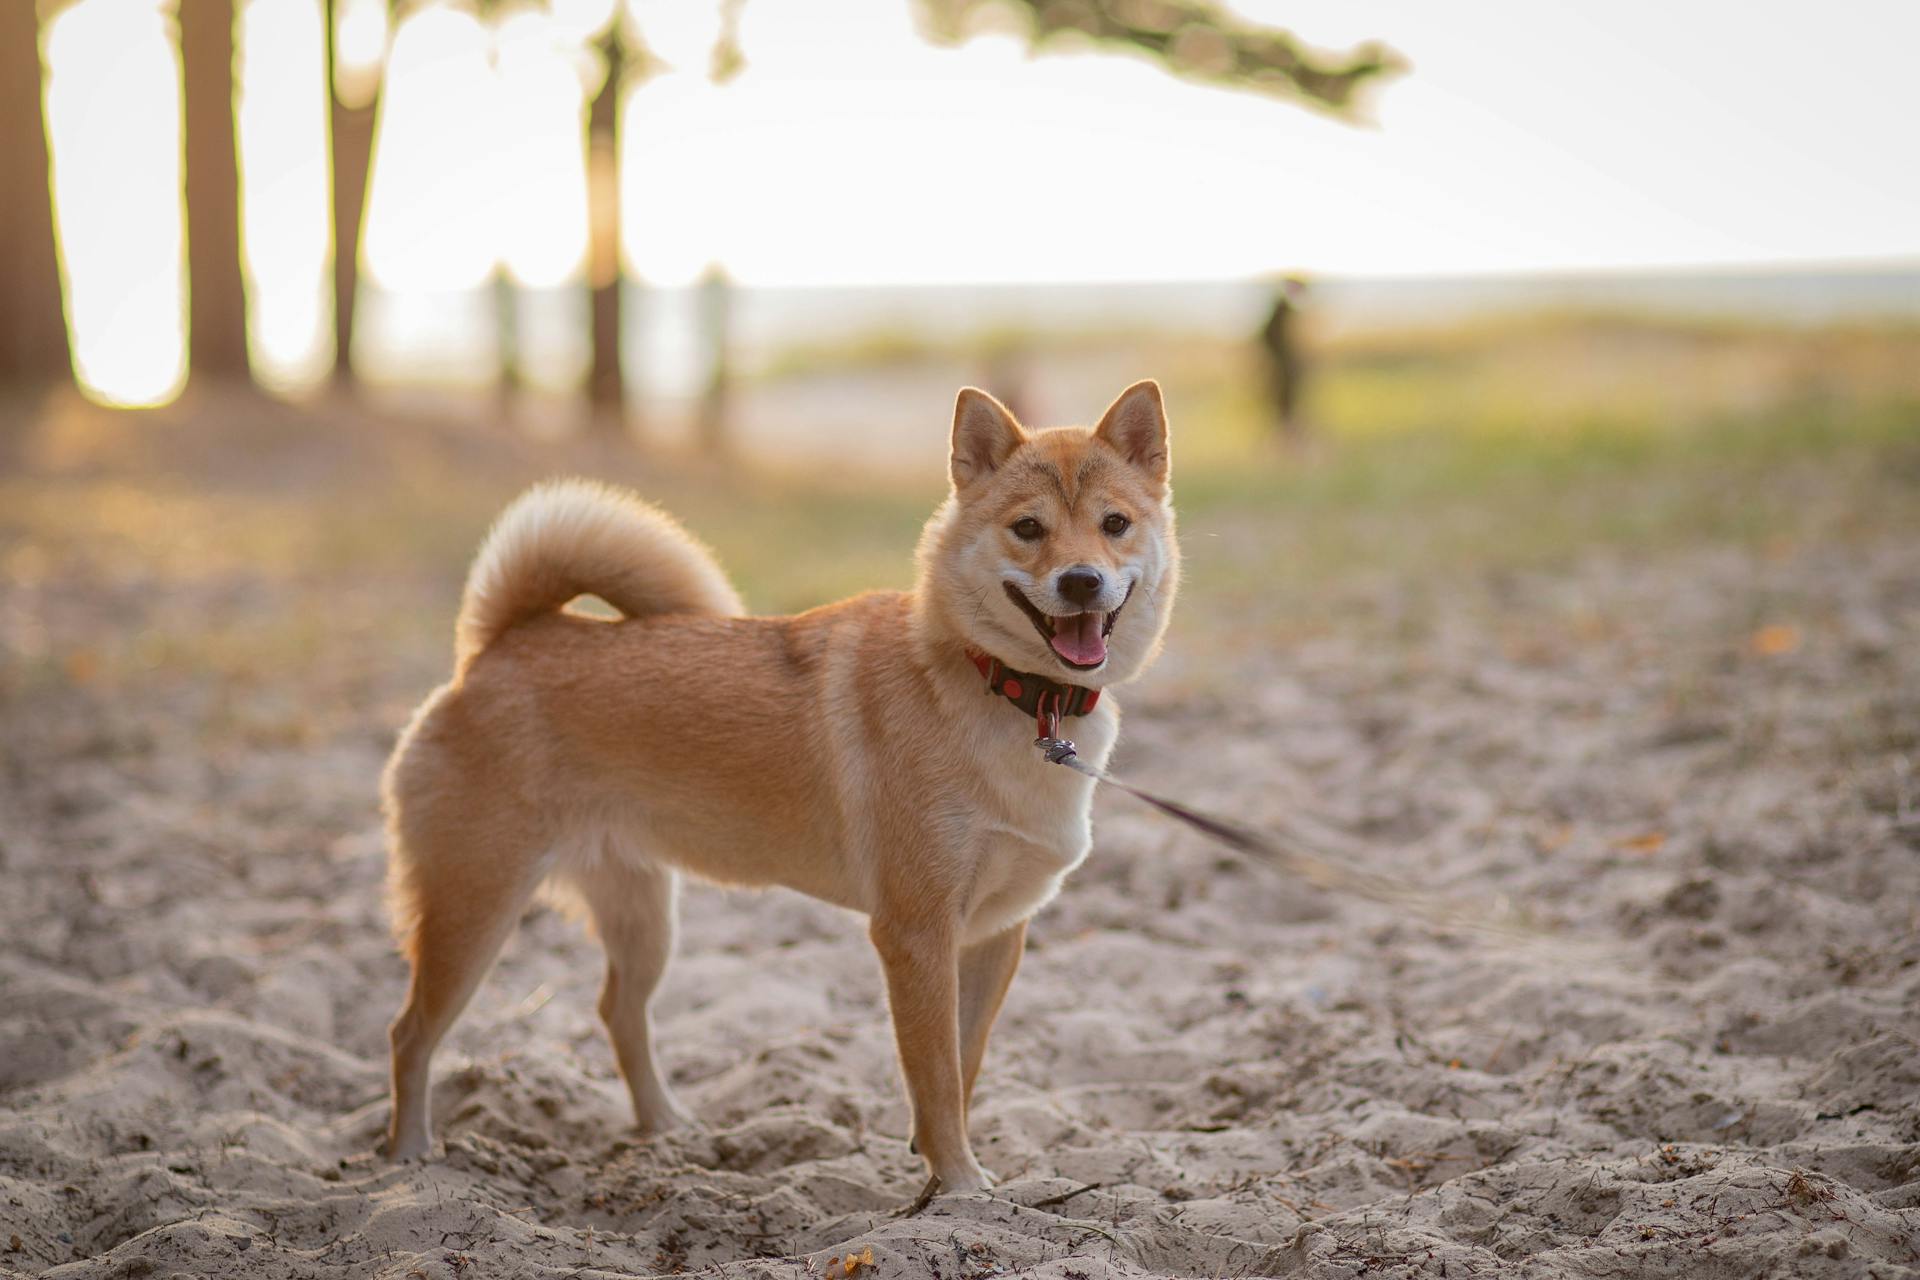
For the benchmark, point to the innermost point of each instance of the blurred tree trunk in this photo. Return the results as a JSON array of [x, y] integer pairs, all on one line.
[[506, 340], [352, 134], [217, 306], [33, 325], [713, 422], [606, 386]]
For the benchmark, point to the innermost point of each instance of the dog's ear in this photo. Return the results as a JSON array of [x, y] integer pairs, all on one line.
[[1135, 427], [984, 434]]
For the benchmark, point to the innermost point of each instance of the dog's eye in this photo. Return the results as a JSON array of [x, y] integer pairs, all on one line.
[[1116, 524], [1027, 529]]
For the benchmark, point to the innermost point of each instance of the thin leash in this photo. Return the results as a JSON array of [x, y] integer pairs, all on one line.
[[1291, 855]]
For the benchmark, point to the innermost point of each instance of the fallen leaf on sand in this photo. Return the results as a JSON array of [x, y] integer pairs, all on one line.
[[1775, 639], [1555, 840]]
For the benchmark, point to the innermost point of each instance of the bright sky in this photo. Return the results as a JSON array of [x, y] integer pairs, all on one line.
[[1535, 135]]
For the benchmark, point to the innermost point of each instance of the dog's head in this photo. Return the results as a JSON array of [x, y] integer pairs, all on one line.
[[1055, 552]]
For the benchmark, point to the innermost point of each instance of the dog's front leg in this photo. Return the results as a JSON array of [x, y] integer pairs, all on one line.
[[986, 971], [922, 964]]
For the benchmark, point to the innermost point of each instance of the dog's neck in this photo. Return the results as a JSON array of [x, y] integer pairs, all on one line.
[[1046, 700]]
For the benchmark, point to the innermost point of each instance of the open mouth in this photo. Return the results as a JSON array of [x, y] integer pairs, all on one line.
[[1077, 639]]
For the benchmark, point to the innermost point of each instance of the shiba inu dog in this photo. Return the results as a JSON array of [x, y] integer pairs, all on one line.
[[846, 752]]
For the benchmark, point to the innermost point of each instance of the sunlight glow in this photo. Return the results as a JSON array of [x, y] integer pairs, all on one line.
[[360, 48], [676, 195], [543, 208], [430, 212], [480, 160], [284, 191], [852, 152], [479, 166], [581, 20], [117, 196], [681, 34]]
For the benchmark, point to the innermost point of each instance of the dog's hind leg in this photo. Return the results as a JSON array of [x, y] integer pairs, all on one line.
[[633, 906], [457, 906]]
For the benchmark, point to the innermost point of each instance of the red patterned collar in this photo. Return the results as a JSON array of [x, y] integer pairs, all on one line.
[[1043, 699]]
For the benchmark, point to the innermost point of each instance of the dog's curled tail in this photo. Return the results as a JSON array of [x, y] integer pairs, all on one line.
[[567, 538]]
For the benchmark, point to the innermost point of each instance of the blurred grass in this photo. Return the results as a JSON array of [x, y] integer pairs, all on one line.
[[1527, 442], [231, 537], [1431, 503]]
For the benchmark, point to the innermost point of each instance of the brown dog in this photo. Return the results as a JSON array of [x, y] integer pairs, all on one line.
[[845, 752]]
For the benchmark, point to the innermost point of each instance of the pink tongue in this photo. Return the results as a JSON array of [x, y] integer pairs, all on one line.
[[1078, 639]]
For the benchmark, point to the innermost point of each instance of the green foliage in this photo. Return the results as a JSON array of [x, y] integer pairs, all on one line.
[[1192, 39]]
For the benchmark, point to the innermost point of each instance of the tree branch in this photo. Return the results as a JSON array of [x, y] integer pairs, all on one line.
[[1193, 39]]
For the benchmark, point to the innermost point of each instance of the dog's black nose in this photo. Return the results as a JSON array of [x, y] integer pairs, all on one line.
[[1079, 585]]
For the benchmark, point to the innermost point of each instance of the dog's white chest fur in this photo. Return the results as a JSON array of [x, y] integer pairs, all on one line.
[[1036, 826]]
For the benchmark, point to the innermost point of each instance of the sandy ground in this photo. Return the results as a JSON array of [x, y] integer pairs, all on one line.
[[1694, 772]]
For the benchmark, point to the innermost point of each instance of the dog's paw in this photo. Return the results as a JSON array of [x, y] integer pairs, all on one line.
[[665, 1117], [405, 1150], [969, 1177], [679, 1126]]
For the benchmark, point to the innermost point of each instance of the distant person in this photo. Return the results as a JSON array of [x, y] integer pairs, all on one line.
[[1286, 368]]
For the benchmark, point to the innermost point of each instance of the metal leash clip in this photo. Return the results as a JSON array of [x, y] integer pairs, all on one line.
[[1056, 750]]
